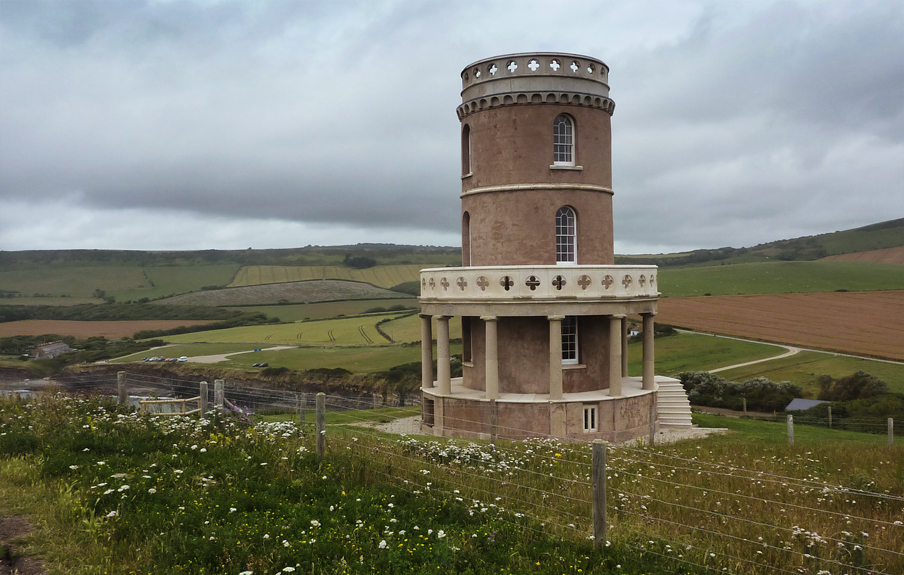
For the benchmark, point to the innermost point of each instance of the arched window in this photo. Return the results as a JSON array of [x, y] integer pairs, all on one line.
[[466, 239], [563, 141], [466, 150], [566, 236]]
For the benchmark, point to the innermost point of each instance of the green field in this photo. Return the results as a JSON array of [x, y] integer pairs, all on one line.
[[780, 277], [804, 367], [763, 433], [697, 352], [355, 331], [323, 310], [380, 276], [354, 359], [55, 301], [122, 282]]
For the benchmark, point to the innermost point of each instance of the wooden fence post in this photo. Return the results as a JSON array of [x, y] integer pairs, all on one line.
[[790, 430], [219, 392], [891, 432], [202, 403], [122, 388], [744, 399], [598, 467], [320, 426], [830, 417], [494, 420]]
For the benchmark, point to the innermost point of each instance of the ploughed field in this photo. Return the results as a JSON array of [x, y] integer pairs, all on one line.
[[883, 256], [862, 323]]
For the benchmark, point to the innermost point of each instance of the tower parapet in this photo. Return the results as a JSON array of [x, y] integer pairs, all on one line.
[[535, 78]]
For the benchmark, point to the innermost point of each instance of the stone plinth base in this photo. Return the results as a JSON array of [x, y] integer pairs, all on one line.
[[578, 416]]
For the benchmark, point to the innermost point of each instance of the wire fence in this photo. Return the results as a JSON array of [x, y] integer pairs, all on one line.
[[774, 511]]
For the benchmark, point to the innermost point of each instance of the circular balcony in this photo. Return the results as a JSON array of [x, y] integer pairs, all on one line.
[[500, 283]]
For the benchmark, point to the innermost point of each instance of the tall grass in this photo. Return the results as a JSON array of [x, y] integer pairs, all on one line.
[[224, 495]]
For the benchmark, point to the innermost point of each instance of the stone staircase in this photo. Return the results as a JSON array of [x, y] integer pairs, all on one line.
[[672, 406]]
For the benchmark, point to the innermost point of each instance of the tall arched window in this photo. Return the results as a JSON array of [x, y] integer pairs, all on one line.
[[566, 236], [466, 150], [563, 141], [466, 239]]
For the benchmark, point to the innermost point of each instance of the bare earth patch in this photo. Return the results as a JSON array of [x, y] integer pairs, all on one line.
[[861, 323], [12, 529], [82, 329], [884, 256]]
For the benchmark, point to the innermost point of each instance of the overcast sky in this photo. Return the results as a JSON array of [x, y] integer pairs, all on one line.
[[167, 125]]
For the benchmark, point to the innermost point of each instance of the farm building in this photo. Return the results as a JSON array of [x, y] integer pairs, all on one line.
[[50, 350], [543, 308]]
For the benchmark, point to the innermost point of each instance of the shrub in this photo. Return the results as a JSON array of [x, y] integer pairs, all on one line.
[[860, 385], [761, 394]]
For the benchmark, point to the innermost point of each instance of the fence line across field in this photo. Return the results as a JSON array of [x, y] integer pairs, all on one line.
[[587, 492]]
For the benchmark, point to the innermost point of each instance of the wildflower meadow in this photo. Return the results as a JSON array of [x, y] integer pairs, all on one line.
[[228, 494]]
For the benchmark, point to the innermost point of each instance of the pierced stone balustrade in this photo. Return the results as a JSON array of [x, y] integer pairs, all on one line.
[[539, 282]]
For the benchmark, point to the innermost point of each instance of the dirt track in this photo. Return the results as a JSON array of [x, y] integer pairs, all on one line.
[[863, 323]]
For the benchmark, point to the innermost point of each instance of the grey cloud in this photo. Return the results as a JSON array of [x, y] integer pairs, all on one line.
[[732, 123]]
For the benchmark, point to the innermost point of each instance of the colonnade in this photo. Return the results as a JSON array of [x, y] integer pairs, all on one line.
[[618, 358]]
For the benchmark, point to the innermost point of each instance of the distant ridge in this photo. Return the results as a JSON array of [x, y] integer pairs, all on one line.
[[879, 236]]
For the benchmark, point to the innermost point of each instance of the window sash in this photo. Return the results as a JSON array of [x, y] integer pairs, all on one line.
[[570, 340], [566, 235], [563, 141], [590, 423]]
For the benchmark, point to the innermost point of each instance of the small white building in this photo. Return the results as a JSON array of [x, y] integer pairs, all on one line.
[[51, 350]]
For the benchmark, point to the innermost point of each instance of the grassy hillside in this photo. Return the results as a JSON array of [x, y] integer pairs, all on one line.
[[290, 292], [327, 309], [122, 282], [805, 367], [780, 277], [380, 276], [334, 332]]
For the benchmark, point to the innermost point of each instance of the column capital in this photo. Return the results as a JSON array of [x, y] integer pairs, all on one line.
[[618, 316], [489, 317], [556, 317], [442, 317], [648, 313]]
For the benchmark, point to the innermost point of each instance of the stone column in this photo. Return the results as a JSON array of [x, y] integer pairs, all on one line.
[[615, 355], [555, 356], [492, 347], [624, 346], [443, 358], [426, 352], [648, 356]]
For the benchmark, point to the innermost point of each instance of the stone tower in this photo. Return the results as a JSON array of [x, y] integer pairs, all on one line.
[[543, 307]]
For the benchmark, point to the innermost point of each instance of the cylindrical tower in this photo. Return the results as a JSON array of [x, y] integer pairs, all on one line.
[[536, 138], [543, 307]]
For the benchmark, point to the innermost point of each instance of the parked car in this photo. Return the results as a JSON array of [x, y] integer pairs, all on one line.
[[183, 358]]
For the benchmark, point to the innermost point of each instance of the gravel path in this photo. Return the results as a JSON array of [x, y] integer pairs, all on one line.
[[412, 426]]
